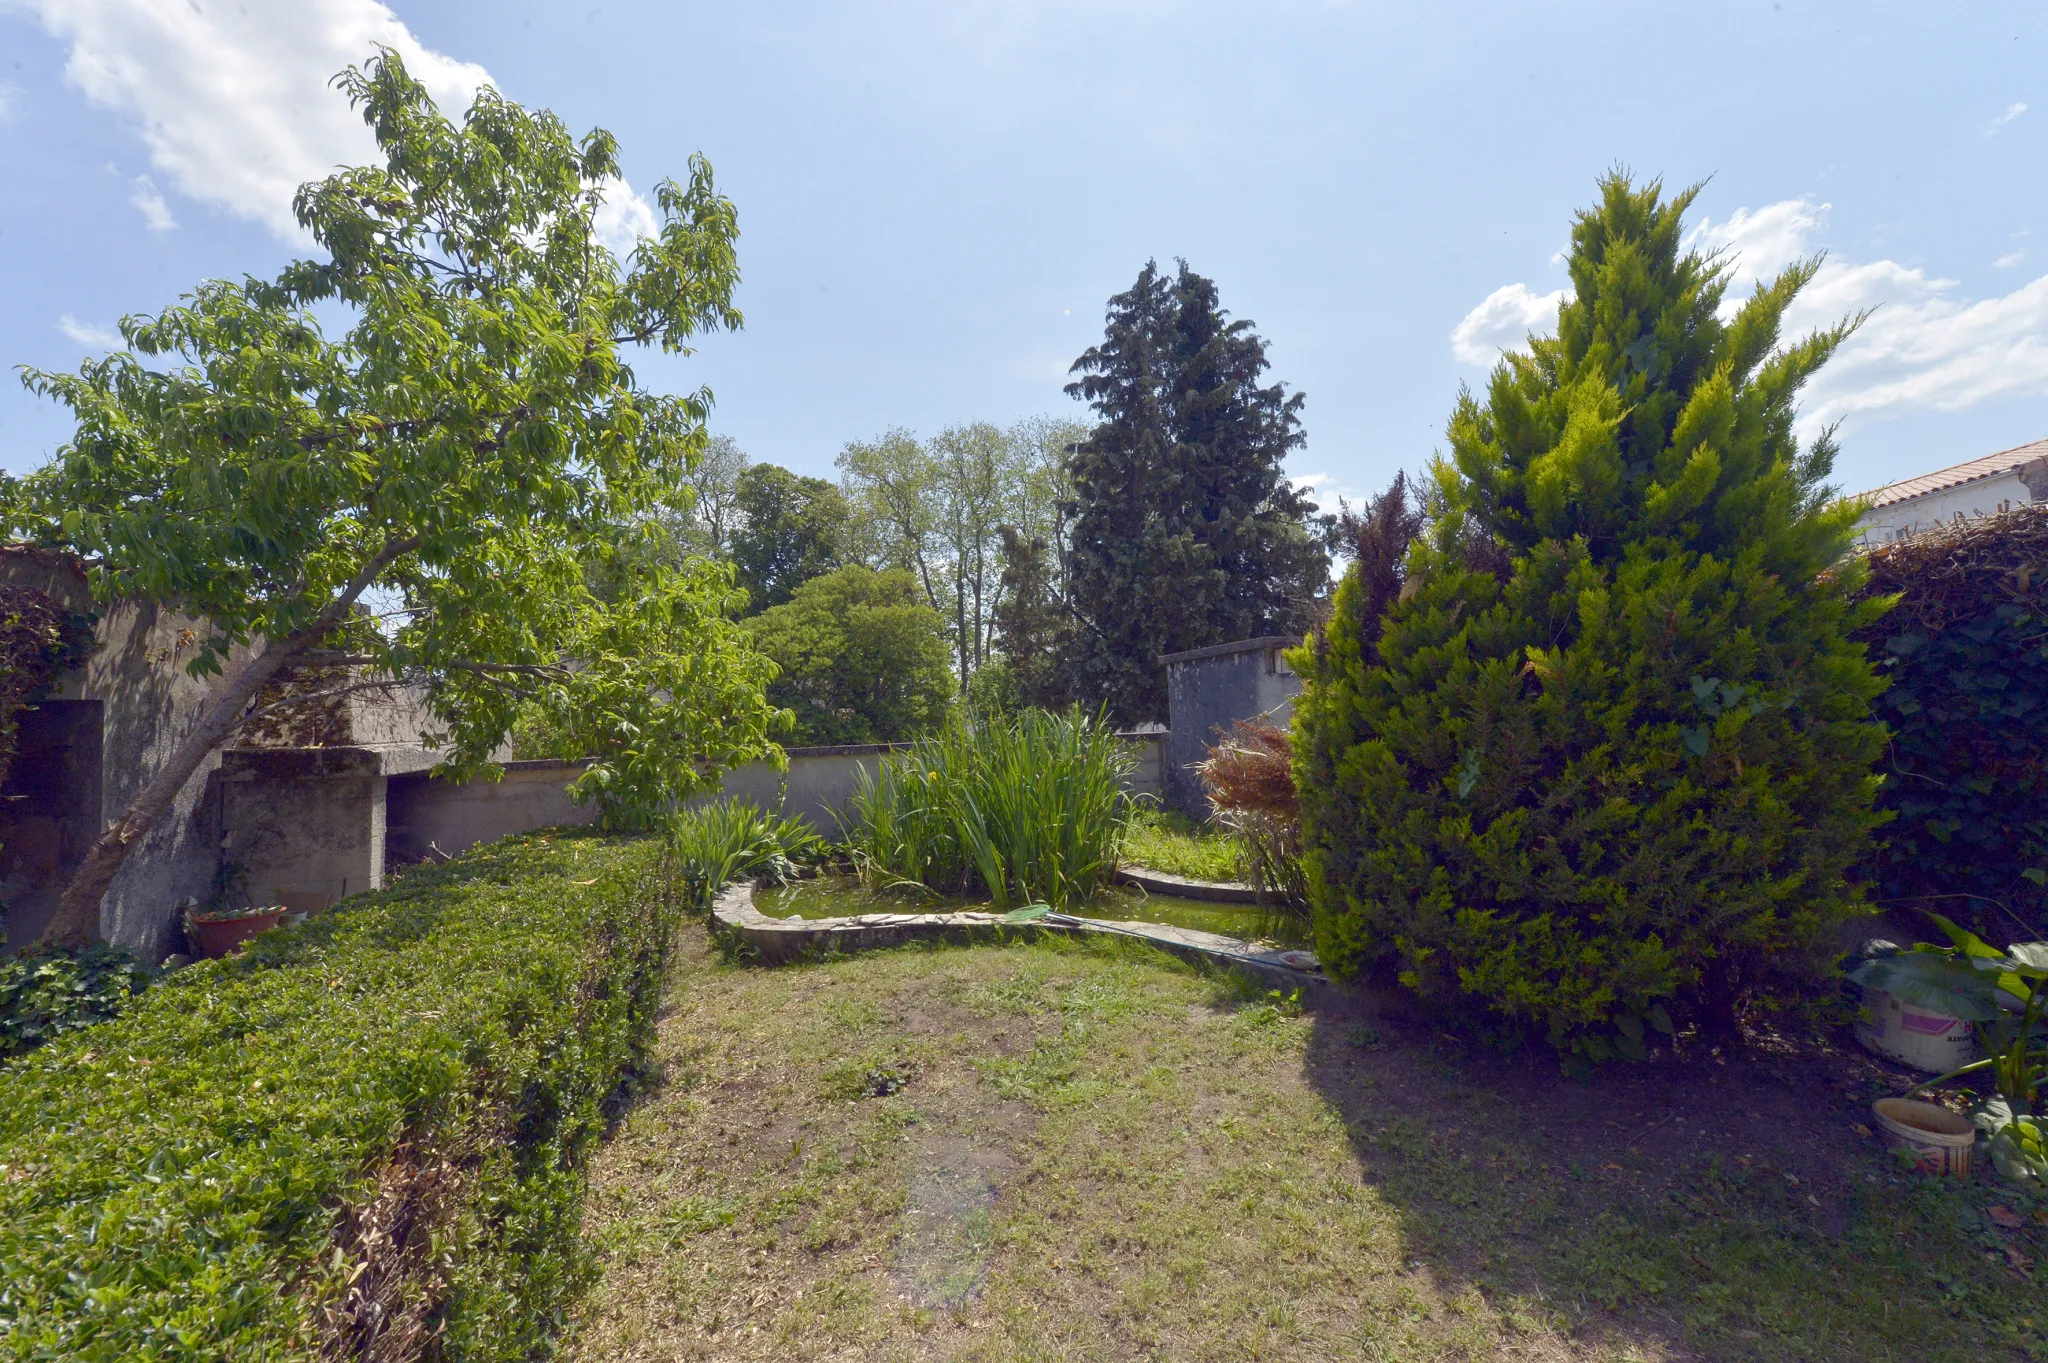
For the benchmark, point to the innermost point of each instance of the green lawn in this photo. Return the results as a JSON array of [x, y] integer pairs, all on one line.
[[1061, 1152], [1164, 841]]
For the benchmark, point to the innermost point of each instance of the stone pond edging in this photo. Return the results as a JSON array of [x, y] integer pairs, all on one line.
[[1180, 887], [780, 939]]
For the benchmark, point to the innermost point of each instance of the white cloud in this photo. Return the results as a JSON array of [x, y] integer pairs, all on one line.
[[2008, 260], [10, 101], [1760, 244], [1923, 347], [149, 201], [234, 101], [623, 218], [1504, 321], [85, 333], [2012, 111]]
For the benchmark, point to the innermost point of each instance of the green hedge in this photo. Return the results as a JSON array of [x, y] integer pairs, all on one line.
[[371, 1124], [1966, 771]]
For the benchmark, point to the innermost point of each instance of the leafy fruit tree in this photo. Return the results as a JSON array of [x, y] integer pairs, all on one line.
[[1605, 760], [466, 449], [1185, 529], [787, 529], [862, 657]]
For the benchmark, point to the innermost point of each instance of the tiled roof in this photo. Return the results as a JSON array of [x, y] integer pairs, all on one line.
[[1989, 466]]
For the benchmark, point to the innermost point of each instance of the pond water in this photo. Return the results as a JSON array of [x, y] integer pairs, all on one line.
[[844, 897]]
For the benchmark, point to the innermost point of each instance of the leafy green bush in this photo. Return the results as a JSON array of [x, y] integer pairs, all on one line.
[[1605, 760], [1966, 772], [862, 657], [1028, 809], [367, 1130], [730, 840], [44, 994]]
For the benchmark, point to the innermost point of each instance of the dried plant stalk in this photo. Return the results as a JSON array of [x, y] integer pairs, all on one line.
[[1249, 778]]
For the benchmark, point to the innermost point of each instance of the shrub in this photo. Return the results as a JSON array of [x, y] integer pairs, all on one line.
[[863, 658], [1966, 773], [1249, 779], [730, 840], [1605, 760], [1022, 810], [44, 994], [362, 1137]]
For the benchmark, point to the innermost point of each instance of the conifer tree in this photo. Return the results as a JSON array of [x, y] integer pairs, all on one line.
[[1032, 625], [1607, 760], [1186, 531]]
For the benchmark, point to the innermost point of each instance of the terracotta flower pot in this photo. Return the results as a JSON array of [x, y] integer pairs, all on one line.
[[219, 936]]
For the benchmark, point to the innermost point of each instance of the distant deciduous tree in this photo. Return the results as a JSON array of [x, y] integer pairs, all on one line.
[[1185, 530], [787, 530], [937, 508], [863, 657]]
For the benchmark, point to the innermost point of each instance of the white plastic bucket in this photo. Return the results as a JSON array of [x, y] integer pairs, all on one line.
[[1912, 1035], [1940, 1140]]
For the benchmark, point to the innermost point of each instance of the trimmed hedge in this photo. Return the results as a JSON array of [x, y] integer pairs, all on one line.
[[364, 1137], [1966, 772]]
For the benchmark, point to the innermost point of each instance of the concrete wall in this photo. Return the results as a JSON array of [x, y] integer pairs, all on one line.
[[1209, 689], [301, 827], [425, 814]]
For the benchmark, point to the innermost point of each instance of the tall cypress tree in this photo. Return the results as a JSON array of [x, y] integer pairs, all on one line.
[[1186, 531], [1606, 759]]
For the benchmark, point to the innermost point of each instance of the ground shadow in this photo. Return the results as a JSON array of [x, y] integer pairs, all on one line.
[[1717, 1205]]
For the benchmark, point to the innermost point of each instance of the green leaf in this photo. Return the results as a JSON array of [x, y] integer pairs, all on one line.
[[1931, 979], [1660, 1019]]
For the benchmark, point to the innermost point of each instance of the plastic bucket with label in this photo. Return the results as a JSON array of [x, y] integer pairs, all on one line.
[[1940, 1140], [1916, 1036]]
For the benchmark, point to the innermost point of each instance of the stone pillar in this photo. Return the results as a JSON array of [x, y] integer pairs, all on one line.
[[301, 827]]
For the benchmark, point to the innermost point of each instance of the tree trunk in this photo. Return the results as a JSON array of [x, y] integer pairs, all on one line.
[[77, 921]]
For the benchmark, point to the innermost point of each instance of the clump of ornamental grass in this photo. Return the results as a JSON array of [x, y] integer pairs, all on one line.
[[1027, 809], [1249, 779], [717, 843]]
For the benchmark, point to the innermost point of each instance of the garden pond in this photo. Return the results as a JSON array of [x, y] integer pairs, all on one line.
[[845, 897]]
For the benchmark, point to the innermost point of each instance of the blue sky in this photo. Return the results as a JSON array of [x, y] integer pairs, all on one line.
[[937, 196]]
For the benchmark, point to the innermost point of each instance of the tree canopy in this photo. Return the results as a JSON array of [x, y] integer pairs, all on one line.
[[786, 530], [467, 447], [862, 657], [1185, 529]]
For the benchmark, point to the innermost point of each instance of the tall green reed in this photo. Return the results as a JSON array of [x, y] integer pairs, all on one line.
[[727, 840], [1028, 809]]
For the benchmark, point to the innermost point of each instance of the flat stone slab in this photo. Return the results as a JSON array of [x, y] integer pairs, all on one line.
[[779, 939], [1180, 887]]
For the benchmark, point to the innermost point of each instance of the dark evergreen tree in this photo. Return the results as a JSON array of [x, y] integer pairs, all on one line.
[[1186, 531], [790, 529], [1603, 759], [1033, 629]]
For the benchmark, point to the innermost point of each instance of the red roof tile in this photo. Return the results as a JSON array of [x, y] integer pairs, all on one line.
[[1988, 466]]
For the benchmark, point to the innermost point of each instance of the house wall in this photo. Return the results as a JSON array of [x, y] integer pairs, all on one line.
[[2001, 492]]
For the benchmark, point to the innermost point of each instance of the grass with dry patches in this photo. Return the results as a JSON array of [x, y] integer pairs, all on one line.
[[1092, 1152]]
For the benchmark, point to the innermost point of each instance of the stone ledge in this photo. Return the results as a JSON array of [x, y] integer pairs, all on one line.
[[1180, 887], [779, 939]]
